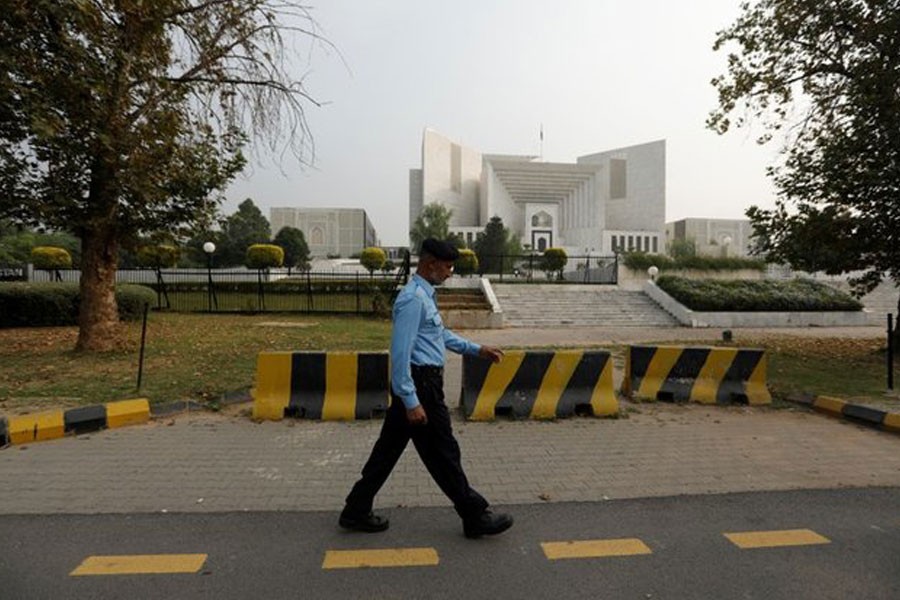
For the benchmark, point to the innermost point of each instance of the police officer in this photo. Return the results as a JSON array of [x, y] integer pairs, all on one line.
[[417, 410]]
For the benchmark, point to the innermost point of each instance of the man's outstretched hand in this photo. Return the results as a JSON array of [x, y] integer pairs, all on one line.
[[491, 353]]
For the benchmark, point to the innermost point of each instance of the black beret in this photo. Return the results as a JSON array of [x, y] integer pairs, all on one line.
[[439, 249]]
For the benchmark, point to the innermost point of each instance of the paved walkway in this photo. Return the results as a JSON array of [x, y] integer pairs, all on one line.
[[205, 462]]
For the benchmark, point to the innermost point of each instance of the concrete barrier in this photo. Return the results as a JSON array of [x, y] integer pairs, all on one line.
[[331, 386], [539, 385], [705, 375], [50, 425]]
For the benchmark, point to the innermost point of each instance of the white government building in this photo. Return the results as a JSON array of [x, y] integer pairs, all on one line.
[[607, 202]]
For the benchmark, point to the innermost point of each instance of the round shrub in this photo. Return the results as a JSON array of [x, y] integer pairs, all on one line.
[[264, 256], [467, 263], [50, 257], [163, 255], [372, 259], [555, 260], [56, 304]]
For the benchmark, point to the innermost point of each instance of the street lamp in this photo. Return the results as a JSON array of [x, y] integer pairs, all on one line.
[[209, 248], [653, 271]]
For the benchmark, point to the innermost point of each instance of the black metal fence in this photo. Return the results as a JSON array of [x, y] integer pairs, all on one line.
[[242, 290], [536, 268]]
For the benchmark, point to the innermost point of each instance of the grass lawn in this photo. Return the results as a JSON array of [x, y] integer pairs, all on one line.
[[187, 356]]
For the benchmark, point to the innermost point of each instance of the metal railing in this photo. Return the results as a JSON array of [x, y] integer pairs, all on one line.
[[535, 268], [239, 290]]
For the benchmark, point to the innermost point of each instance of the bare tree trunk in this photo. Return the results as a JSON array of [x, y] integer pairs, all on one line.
[[98, 316]]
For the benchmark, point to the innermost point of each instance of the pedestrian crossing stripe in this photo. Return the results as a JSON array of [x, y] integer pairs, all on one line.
[[140, 564], [386, 557], [595, 548], [776, 539]]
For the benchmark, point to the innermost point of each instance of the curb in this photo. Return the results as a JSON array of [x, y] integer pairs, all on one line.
[[54, 424], [51, 425], [858, 413]]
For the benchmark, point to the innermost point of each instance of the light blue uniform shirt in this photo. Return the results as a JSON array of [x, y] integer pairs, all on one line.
[[419, 337]]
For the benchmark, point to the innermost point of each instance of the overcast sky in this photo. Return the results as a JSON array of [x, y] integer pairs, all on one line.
[[598, 74]]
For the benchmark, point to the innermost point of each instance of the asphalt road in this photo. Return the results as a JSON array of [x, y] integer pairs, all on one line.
[[672, 547]]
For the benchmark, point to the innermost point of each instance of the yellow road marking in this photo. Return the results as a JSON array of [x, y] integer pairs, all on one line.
[[388, 557], [127, 412], [603, 399], [141, 564], [594, 548], [776, 539]]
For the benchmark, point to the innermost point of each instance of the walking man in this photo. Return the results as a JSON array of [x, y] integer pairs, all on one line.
[[417, 410]]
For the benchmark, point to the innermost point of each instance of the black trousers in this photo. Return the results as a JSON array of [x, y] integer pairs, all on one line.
[[434, 442]]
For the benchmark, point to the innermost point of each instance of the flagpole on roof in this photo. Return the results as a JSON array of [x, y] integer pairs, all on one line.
[[542, 142]]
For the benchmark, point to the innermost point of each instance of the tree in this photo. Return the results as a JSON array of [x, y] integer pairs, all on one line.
[[495, 243], [123, 118], [247, 226], [467, 263], [825, 75], [296, 250], [372, 259], [434, 221], [554, 261], [683, 248], [263, 256]]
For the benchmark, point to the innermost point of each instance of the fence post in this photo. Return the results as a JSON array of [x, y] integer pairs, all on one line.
[[890, 351], [357, 292], [143, 340]]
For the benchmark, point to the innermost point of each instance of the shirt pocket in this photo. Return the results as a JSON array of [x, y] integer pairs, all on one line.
[[433, 319]]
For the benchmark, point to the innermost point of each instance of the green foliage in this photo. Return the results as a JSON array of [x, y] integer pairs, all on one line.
[[16, 244], [49, 257], [756, 295], [641, 261], [683, 248], [372, 259], [264, 256], [246, 227], [495, 242], [467, 263], [554, 261], [296, 250], [158, 256], [824, 76], [56, 304], [434, 221]]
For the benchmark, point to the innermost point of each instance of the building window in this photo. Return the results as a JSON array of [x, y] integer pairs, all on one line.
[[316, 236], [646, 243], [621, 243], [542, 219], [655, 247], [615, 245], [630, 243]]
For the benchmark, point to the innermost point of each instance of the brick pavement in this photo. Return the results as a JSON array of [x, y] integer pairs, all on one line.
[[204, 462]]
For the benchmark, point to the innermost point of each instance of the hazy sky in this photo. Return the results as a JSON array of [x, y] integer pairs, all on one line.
[[599, 74]]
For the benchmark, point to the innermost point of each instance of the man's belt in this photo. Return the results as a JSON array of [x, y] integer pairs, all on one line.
[[428, 369]]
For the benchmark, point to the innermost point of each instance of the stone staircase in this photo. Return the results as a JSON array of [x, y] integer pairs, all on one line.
[[552, 305]]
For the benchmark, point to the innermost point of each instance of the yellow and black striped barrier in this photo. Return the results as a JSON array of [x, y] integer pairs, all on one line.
[[331, 386], [55, 424], [539, 385], [705, 375]]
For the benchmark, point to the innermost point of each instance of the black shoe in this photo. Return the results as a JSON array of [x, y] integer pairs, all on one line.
[[370, 523], [487, 524]]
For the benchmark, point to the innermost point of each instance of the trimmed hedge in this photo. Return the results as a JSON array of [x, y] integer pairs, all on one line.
[[713, 295], [641, 261], [51, 257], [55, 304], [264, 256]]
